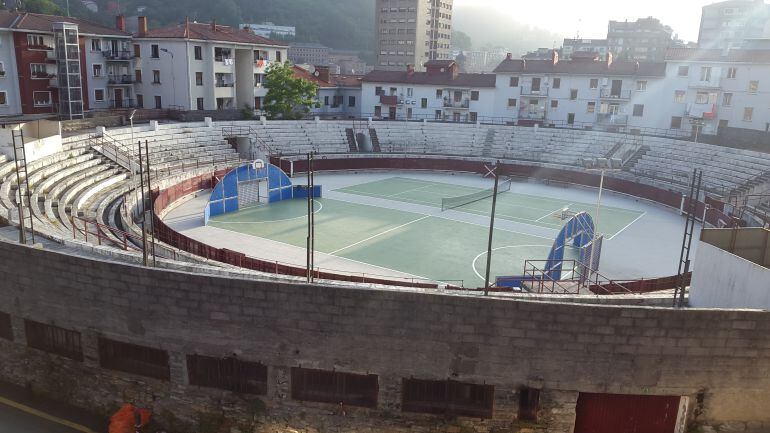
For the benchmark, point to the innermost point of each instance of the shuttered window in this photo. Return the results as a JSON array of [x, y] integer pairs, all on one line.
[[334, 387], [447, 397]]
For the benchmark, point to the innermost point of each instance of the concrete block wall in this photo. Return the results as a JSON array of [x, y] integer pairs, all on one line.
[[718, 358]]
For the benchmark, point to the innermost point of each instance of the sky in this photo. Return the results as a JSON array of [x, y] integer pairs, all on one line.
[[590, 17]]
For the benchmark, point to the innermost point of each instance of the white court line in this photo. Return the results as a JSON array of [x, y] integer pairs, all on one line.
[[380, 234], [629, 225], [483, 253], [553, 212], [409, 190]]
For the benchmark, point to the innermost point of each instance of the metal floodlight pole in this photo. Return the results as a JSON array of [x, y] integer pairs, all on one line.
[[595, 237], [144, 229], [149, 196], [308, 269], [312, 217], [491, 228]]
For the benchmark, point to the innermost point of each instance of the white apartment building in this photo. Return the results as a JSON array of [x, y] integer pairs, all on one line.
[[202, 66], [412, 32], [339, 96], [579, 93], [715, 90], [440, 93]]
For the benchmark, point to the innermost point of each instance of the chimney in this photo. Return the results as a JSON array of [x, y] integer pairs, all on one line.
[[524, 64], [410, 70], [609, 60], [120, 23], [322, 73], [186, 27], [142, 21], [509, 56], [554, 57], [213, 25]]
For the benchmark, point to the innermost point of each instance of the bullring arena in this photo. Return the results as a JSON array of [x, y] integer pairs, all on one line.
[[221, 328]]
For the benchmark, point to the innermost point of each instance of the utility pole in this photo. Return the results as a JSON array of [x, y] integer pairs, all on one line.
[[149, 196], [144, 228], [495, 173]]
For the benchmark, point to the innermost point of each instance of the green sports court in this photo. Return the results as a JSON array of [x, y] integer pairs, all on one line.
[[397, 225]]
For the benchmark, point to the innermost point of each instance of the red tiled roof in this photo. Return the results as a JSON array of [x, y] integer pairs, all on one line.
[[205, 32], [305, 74], [739, 56], [347, 80], [417, 78], [644, 69], [44, 24], [439, 63]]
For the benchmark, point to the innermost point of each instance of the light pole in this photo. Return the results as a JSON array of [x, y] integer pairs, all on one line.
[[603, 168], [173, 76]]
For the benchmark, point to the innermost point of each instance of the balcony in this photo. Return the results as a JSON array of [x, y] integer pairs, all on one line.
[[53, 83], [532, 114], [389, 100], [461, 104], [224, 91], [120, 79], [120, 56], [40, 47], [122, 103], [713, 83], [538, 92], [701, 111], [621, 95], [612, 119], [261, 66], [42, 75]]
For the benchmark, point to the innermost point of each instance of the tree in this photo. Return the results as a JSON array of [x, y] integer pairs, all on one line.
[[288, 97], [461, 40], [42, 7]]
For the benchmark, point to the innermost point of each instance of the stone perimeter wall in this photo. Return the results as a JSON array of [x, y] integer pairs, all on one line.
[[720, 359]]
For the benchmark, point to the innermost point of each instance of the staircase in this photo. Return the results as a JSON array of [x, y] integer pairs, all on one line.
[[375, 140], [758, 184], [614, 149], [351, 140], [489, 141], [115, 151], [230, 132], [630, 163]]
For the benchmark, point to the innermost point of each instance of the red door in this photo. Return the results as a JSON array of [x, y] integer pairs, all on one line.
[[616, 413]]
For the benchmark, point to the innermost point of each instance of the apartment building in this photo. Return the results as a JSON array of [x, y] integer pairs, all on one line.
[[339, 96], [270, 30], [439, 93], [585, 92], [645, 39], [728, 24], [62, 66], [202, 66], [309, 54], [714, 90], [571, 46], [412, 32]]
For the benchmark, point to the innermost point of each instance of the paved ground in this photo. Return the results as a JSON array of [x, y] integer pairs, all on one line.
[[380, 222], [16, 421]]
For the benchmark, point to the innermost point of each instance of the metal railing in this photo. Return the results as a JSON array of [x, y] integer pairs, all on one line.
[[615, 94], [116, 151], [95, 232], [118, 55], [120, 79], [450, 103], [537, 91], [612, 119], [122, 103]]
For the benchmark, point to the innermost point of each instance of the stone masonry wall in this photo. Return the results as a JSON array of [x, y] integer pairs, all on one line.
[[720, 359]]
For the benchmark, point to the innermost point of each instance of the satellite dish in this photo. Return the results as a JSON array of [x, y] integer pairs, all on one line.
[[316, 73]]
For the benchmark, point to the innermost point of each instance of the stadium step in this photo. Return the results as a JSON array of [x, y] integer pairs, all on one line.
[[375, 140], [351, 140]]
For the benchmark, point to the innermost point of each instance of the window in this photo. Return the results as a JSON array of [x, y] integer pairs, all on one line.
[[473, 117], [529, 403], [138, 75], [6, 329], [511, 102], [2, 70], [748, 114], [573, 94], [732, 72], [570, 118], [684, 71], [139, 101], [158, 102], [638, 110], [351, 101], [474, 95], [96, 44], [230, 374], [378, 91], [439, 115], [676, 122], [554, 104], [198, 52], [409, 92], [37, 70], [439, 94], [99, 95], [155, 76], [326, 101], [377, 111], [278, 56], [447, 397], [35, 41], [337, 101], [705, 73], [557, 83], [727, 99], [3, 98], [154, 51], [514, 82], [679, 96], [41, 99], [702, 98], [199, 78], [591, 107], [641, 86], [97, 70], [334, 387], [53, 339], [137, 51], [594, 83], [753, 86], [424, 103], [134, 359]]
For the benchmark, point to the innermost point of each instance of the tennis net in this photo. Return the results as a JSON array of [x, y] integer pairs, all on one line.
[[455, 202]]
